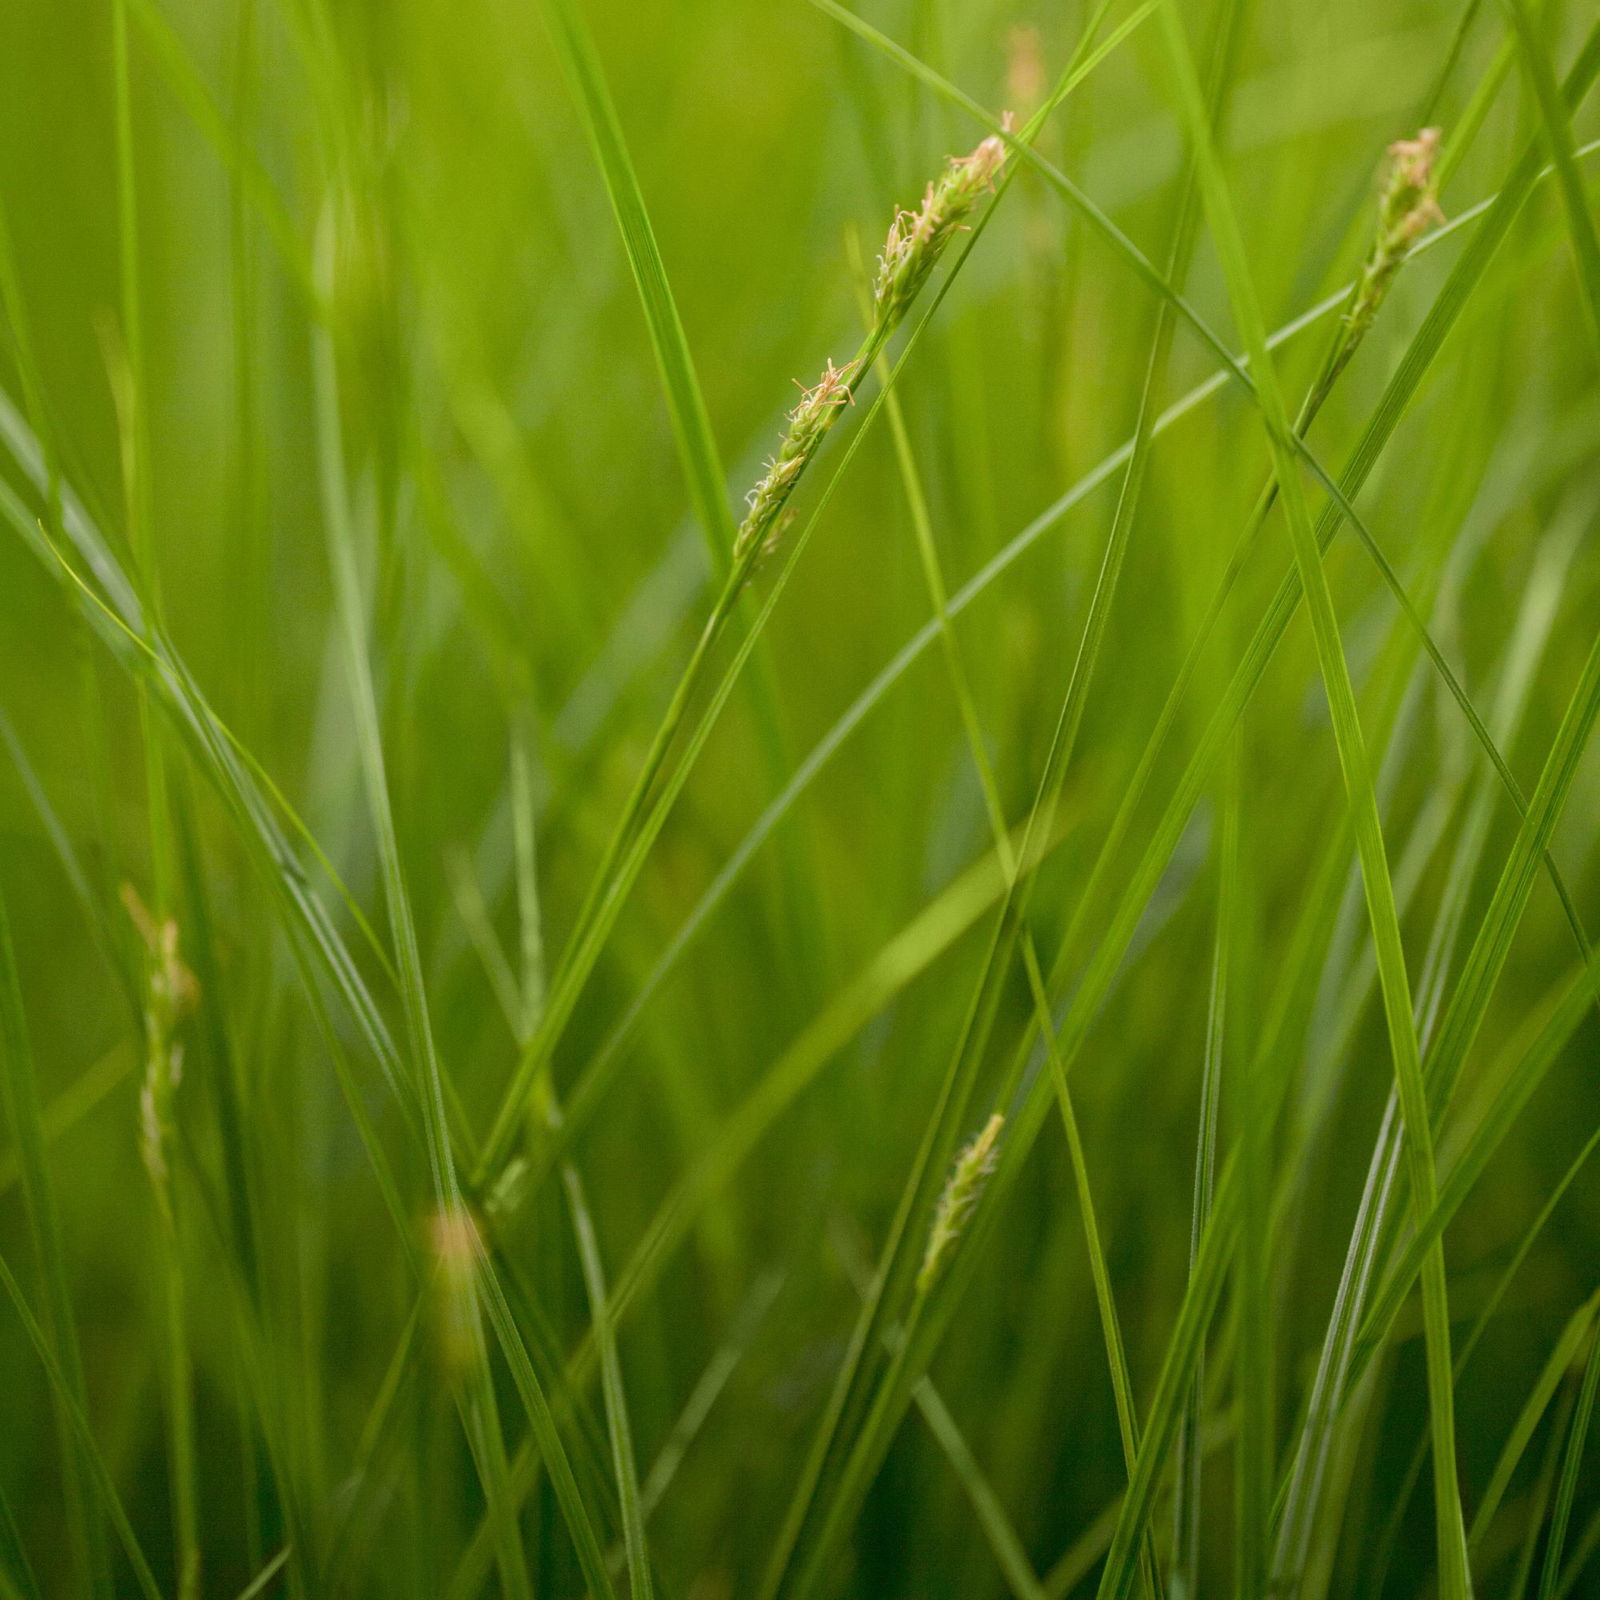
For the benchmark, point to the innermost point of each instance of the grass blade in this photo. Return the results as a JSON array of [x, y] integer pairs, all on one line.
[[691, 425]]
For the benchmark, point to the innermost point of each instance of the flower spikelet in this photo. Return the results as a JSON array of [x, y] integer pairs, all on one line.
[[808, 425], [1407, 207], [961, 1192], [916, 241], [918, 238], [170, 994]]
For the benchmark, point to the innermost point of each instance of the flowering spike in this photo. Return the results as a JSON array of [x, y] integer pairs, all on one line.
[[1407, 207], [967, 1178], [916, 241], [170, 994], [918, 238], [808, 422]]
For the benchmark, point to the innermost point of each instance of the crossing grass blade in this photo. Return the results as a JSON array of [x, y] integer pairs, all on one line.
[[16, 1573]]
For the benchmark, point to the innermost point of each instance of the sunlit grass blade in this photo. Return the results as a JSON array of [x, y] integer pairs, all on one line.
[[263, 1580]]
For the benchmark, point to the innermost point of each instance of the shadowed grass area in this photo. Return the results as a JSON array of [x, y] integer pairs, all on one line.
[[797, 800]]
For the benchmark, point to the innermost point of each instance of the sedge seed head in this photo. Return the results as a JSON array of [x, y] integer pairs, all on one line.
[[1408, 205], [965, 1185], [170, 994], [915, 242], [1411, 192], [918, 238], [813, 415]]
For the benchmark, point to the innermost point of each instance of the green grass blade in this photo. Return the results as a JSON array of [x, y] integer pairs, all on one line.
[[1572, 1459], [16, 1573], [19, 1094], [1002, 1537], [707, 1390], [1558, 131], [104, 1487], [1579, 1328], [640, 1586], [1576, 1000], [691, 424], [262, 1581], [1253, 1362], [591, 1558]]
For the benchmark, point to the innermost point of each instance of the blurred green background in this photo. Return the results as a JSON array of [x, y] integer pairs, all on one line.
[[533, 578]]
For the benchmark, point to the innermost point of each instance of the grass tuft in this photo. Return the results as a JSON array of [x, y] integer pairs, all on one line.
[[1011, 1013]]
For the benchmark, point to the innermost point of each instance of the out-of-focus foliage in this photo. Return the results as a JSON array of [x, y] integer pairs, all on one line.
[[318, 327]]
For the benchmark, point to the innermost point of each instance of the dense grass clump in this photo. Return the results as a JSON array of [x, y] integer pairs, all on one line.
[[797, 800]]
